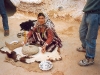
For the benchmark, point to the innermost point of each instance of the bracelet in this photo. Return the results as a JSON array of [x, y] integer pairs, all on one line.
[[45, 44]]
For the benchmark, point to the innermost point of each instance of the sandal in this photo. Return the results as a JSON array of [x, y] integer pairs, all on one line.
[[86, 62], [81, 49]]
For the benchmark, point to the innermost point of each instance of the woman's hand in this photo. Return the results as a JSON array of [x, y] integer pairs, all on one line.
[[43, 49]]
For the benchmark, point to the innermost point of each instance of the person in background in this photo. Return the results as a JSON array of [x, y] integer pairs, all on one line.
[[88, 31], [4, 18]]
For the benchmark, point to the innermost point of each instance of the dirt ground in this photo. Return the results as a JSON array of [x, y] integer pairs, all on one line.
[[68, 32]]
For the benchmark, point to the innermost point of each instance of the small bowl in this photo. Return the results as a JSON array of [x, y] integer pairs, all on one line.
[[46, 65]]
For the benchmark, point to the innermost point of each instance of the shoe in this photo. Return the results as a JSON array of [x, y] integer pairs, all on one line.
[[81, 49], [86, 62], [6, 32]]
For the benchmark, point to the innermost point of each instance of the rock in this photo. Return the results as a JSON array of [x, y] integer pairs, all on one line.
[[30, 50], [58, 73], [15, 2], [72, 8]]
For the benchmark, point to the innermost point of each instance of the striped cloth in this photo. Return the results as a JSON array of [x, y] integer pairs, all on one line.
[[41, 35]]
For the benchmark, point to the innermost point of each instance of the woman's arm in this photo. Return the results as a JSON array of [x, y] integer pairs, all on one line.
[[50, 37], [30, 32]]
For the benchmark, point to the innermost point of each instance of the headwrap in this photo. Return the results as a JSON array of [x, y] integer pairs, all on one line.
[[48, 22]]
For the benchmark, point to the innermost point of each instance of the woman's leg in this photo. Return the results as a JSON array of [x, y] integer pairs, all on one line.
[[51, 47]]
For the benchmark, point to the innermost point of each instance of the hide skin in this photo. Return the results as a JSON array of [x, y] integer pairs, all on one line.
[[17, 55]]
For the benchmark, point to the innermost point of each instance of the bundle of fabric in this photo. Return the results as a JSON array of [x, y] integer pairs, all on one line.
[[26, 26]]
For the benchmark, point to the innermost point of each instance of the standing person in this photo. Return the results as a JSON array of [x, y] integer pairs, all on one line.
[[88, 31], [4, 18]]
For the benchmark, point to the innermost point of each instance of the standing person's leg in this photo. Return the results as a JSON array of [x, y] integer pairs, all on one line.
[[82, 33], [4, 18], [91, 37], [93, 26]]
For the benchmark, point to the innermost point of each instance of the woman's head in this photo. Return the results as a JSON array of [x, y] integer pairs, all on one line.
[[41, 18]]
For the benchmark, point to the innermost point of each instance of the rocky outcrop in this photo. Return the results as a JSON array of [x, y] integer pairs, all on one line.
[[55, 8]]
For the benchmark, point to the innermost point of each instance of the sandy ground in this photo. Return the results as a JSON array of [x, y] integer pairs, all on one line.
[[68, 32]]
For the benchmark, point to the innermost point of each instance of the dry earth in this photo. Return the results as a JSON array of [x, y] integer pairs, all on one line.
[[68, 32]]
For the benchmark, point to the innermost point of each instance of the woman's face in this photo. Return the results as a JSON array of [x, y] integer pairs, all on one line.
[[41, 20]]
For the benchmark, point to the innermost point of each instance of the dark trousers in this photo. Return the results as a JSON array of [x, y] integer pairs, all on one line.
[[4, 15]]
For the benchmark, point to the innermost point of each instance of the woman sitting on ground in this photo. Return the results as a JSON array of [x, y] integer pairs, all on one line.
[[44, 36]]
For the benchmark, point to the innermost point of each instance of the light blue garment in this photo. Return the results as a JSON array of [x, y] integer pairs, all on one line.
[[4, 15], [88, 32]]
